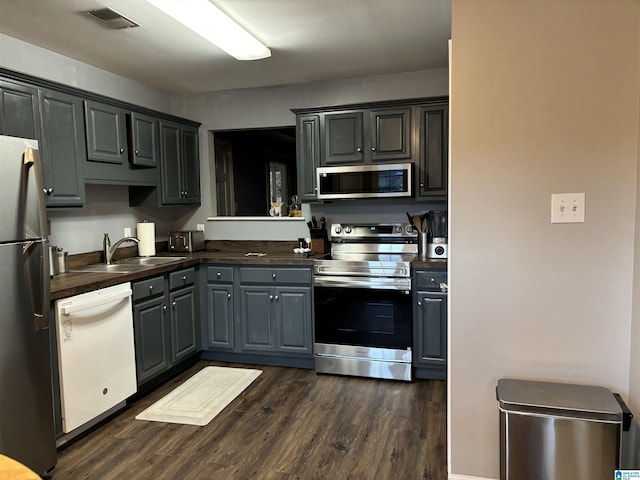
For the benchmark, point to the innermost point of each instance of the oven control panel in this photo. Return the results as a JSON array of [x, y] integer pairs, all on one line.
[[373, 232]]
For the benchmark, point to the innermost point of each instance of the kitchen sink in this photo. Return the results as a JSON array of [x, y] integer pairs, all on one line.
[[127, 265], [148, 261], [104, 268]]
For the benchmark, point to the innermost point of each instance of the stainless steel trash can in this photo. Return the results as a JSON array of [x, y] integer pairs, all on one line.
[[554, 431]]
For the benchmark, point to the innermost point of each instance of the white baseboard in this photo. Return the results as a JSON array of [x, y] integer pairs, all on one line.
[[453, 476]]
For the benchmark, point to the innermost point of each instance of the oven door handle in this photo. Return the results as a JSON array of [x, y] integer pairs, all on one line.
[[401, 284]]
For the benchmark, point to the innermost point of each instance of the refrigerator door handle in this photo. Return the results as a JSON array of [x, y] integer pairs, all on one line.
[[38, 268], [31, 158]]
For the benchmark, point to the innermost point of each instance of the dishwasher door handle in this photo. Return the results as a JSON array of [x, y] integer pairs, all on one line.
[[98, 302]]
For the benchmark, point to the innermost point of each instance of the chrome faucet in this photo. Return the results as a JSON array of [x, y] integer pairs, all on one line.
[[108, 250]]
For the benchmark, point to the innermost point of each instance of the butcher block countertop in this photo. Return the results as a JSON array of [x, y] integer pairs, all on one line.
[[217, 251]]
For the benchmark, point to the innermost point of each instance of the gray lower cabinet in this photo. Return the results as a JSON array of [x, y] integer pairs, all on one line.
[[261, 314], [19, 110], [166, 323], [430, 324], [63, 148]]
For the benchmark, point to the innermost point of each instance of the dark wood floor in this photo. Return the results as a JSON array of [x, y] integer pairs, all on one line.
[[289, 424]]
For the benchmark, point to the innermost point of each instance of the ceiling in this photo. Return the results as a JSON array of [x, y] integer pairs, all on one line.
[[310, 40]]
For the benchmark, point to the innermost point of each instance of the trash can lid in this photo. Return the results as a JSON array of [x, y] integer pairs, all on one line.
[[558, 399]]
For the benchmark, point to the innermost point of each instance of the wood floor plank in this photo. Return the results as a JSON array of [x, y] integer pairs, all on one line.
[[290, 424]]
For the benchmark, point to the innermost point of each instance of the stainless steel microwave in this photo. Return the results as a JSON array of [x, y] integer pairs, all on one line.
[[365, 181]]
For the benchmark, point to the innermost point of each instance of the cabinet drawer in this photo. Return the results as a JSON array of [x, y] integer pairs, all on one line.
[[275, 275], [429, 279], [182, 278], [148, 288], [219, 274]]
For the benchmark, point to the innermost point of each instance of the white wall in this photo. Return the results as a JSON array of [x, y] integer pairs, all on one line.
[[271, 107], [544, 99]]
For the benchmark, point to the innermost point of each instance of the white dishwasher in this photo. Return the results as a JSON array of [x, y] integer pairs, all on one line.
[[96, 355]]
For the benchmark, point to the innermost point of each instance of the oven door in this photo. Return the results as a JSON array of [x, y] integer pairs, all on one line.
[[363, 317]]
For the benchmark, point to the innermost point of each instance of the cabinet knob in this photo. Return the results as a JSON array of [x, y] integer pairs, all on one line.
[[228, 295], [422, 185], [358, 149], [373, 149], [150, 288], [164, 307], [419, 303], [48, 191], [270, 297], [173, 304], [273, 275], [218, 274], [122, 150], [276, 298], [184, 278], [137, 152]]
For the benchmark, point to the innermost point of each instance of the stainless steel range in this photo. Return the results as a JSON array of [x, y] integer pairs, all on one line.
[[362, 298]]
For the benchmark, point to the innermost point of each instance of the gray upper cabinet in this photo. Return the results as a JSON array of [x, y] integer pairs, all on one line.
[[180, 168], [106, 133], [144, 135], [432, 164], [343, 138], [308, 155], [63, 148], [390, 134], [19, 115], [370, 135]]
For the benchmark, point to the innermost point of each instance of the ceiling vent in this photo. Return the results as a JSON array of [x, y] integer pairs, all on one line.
[[112, 19]]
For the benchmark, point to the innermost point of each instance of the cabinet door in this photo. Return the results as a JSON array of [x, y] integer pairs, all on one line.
[[432, 167], [152, 338], [190, 166], [106, 133], [390, 134], [63, 148], [430, 335], [144, 132], [293, 310], [308, 155], [256, 319], [343, 138], [19, 110], [183, 323], [171, 171], [220, 319]]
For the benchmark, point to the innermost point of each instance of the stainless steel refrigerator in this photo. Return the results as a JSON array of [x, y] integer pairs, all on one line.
[[27, 432]]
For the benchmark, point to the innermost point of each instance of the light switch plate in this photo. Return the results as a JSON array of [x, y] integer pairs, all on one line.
[[200, 227], [567, 208], [127, 231]]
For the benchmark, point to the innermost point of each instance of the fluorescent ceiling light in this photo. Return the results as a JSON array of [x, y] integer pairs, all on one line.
[[211, 23]]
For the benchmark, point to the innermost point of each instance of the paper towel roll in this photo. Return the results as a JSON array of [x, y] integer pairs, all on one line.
[[147, 237]]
